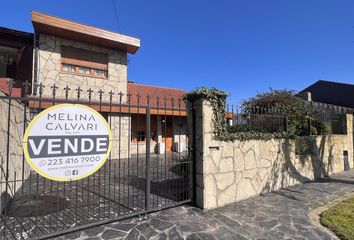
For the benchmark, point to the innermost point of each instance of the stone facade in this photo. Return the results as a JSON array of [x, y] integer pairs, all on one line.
[[179, 131], [49, 65], [120, 126], [16, 167], [49, 69], [228, 172], [140, 148]]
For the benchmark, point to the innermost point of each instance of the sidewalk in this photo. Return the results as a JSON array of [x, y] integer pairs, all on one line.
[[279, 215]]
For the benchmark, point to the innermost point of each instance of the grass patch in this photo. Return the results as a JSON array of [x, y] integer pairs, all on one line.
[[340, 219]]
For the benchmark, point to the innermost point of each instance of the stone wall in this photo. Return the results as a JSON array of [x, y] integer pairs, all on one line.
[[16, 166], [140, 148], [120, 126], [49, 65], [228, 172]]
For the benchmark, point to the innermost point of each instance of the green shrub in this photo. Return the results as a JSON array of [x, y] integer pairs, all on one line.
[[302, 118], [298, 114], [304, 146]]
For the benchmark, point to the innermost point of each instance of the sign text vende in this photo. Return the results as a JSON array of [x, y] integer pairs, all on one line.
[[63, 146], [67, 142]]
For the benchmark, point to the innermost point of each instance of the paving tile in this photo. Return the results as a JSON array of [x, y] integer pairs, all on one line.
[[160, 225], [112, 234], [160, 236], [146, 230], [277, 215], [174, 234], [126, 227], [269, 224], [132, 235], [193, 236], [236, 237], [206, 236], [228, 221], [93, 231]]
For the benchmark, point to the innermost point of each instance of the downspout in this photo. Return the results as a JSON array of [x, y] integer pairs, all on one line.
[[35, 63]]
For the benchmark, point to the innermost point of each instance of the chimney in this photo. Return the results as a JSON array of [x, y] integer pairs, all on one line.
[[306, 96]]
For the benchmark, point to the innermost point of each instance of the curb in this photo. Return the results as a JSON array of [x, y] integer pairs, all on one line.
[[314, 214]]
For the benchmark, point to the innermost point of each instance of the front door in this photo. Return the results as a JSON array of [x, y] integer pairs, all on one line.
[[167, 136]]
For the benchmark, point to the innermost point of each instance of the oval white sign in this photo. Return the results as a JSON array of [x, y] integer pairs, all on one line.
[[67, 142]]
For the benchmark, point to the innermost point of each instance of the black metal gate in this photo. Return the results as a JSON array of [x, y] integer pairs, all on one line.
[[135, 179]]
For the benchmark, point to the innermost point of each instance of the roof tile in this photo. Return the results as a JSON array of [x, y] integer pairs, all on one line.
[[154, 93]]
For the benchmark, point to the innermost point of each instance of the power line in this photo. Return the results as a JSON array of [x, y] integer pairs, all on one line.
[[116, 14]]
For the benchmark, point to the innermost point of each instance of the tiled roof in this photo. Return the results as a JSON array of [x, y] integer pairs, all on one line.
[[154, 93]]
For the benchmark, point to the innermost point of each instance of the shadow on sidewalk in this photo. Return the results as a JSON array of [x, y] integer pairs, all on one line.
[[334, 179]]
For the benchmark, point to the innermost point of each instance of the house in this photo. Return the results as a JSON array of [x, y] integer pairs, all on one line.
[[73, 61], [16, 53], [168, 126], [329, 92], [332, 100], [72, 54]]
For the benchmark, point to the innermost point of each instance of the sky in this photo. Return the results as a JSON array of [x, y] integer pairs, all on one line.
[[243, 47]]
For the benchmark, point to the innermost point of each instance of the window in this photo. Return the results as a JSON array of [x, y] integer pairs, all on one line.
[[138, 136], [84, 62], [8, 65], [100, 73], [85, 70], [69, 68]]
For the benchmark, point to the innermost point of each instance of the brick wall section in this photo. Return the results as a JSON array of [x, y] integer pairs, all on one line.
[[228, 172], [4, 87]]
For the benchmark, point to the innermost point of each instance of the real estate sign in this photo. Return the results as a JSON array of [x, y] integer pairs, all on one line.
[[67, 142]]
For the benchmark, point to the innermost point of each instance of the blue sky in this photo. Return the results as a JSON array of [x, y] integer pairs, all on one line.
[[242, 47]]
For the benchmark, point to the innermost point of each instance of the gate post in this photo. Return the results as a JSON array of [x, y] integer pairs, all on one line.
[[195, 142], [147, 187], [193, 150]]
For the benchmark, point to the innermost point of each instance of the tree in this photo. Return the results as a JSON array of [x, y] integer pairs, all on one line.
[[302, 118]]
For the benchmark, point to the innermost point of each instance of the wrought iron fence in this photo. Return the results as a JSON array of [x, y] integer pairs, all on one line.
[[333, 117], [142, 174], [275, 120], [268, 120]]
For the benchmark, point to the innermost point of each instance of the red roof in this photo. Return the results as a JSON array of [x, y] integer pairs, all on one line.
[[164, 94]]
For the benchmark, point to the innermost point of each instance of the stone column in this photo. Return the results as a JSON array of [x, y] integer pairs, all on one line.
[[120, 126], [205, 188], [216, 182], [227, 172]]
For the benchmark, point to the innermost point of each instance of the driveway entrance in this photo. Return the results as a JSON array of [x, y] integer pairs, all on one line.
[[126, 185], [278, 215]]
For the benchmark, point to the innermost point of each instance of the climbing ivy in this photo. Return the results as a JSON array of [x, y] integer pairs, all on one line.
[[217, 100]]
